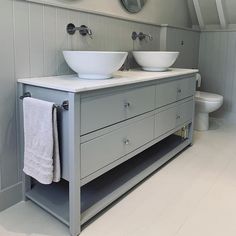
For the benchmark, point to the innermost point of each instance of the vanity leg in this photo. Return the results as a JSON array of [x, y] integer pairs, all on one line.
[[74, 159], [191, 129], [26, 180]]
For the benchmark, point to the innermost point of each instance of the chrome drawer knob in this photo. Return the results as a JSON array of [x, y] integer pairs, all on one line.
[[126, 141], [127, 104]]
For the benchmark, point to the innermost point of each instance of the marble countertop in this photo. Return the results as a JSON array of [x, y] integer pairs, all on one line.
[[71, 83]]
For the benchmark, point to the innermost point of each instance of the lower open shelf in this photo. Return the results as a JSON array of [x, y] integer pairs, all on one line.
[[101, 192]]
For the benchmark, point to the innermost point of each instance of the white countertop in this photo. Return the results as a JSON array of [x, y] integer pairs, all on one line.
[[71, 83]]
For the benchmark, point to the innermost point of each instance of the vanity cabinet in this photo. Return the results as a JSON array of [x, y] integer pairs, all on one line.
[[111, 138]]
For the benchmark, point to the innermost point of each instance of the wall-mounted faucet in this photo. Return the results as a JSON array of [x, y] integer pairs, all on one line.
[[83, 30], [141, 36]]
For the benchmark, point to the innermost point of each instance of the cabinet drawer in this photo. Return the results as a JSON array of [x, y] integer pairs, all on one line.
[[171, 118], [102, 151], [104, 110], [186, 88], [173, 91], [165, 121], [185, 112]]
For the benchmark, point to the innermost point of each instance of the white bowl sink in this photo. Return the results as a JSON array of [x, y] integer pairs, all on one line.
[[155, 60], [94, 64]]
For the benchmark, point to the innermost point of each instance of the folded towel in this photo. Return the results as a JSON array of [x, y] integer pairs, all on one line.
[[41, 154]]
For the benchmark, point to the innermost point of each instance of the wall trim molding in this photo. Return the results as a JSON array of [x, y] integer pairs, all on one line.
[[218, 28], [61, 5], [10, 196]]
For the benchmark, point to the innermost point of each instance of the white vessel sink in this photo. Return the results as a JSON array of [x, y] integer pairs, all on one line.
[[94, 64], [155, 60]]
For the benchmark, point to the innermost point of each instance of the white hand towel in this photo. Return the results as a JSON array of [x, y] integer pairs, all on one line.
[[41, 154]]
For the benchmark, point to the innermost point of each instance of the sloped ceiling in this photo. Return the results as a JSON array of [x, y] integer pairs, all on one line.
[[210, 14]]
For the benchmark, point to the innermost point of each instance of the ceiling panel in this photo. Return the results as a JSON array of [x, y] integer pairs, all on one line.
[[209, 12], [230, 11]]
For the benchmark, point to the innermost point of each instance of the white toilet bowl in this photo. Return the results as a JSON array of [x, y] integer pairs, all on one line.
[[205, 103]]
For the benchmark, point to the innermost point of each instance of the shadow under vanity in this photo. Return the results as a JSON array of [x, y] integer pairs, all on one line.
[[114, 134]]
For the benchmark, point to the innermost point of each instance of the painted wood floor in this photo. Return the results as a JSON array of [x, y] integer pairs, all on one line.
[[193, 195]]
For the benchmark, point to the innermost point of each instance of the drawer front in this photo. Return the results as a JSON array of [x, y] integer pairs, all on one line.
[[104, 150], [166, 93], [165, 121], [173, 91], [185, 112], [104, 110], [171, 118], [186, 88]]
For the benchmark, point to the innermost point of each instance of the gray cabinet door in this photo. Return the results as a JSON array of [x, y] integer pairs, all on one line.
[[173, 91], [104, 110], [165, 121], [171, 118], [102, 151], [186, 88], [185, 112], [166, 93]]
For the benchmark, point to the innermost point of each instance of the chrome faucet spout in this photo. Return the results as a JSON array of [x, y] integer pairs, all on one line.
[[149, 36]]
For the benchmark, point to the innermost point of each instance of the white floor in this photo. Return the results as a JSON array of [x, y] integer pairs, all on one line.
[[194, 195]]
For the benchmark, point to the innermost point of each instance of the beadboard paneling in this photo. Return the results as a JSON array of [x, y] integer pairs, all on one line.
[[49, 35], [34, 38], [8, 158], [189, 51], [217, 64], [21, 39]]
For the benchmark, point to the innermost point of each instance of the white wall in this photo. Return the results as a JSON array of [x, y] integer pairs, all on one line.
[[187, 43], [33, 37], [155, 11], [217, 64]]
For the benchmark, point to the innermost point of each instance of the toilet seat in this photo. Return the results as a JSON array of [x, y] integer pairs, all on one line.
[[208, 97]]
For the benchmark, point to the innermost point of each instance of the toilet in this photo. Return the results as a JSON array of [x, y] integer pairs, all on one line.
[[205, 103]]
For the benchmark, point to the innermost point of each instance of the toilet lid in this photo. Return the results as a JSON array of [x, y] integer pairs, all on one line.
[[211, 97]]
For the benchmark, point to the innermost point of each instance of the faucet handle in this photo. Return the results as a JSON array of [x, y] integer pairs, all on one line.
[[71, 29], [134, 35]]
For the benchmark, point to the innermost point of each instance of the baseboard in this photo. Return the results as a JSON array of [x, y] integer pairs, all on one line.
[[10, 196]]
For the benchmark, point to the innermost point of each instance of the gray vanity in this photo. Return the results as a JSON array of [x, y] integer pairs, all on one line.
[[114, 134]]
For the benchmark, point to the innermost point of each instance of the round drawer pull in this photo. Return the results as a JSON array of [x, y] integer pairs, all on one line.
[[127, 104], [126, 141], [179, 91], [178, 117]]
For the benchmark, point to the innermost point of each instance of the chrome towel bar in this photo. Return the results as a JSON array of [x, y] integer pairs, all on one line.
[[64, 105]]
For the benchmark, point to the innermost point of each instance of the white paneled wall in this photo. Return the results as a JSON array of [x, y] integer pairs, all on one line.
[[187, 43], [217, 64], [40, 37], [33, 37], [155, 11]]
